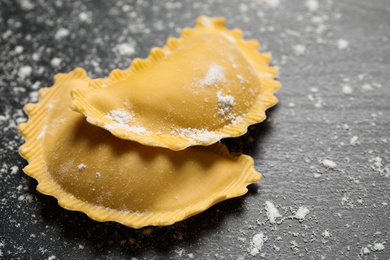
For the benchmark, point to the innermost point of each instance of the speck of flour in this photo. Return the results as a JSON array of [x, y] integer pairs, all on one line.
[[225, 103], [342, 44], [215, 74], [120, 117], [329, 164], [61, 33], [24, 72], [126, 49], [272, 212], [301, 213], [258, 241]]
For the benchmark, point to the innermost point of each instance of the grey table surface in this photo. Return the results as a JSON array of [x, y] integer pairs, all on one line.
[[334, 61]]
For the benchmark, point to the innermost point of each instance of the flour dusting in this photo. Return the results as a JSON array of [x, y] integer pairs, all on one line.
[[258, 241], [120, 117], [342, 44], [225, 103], [126, 49], [61, 33], [272, 212], [329, 164], [301, 213], [215, 74]]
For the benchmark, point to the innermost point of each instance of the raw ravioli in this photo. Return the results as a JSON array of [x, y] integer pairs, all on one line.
[[208, 85], [110, 179]]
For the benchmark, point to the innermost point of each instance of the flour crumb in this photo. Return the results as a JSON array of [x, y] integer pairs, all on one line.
[[120, 117], [312, 5], [301, 213], [18, 49], [326, 234], [377, 164], [81, 166], [24, 72], [126, 49], [240, 78], [85, 17], [272, 212], [354, 140], [61, 33], [342, 44], [26, 5], [347, 89], [299, 49], [367, 87], [258, 242], [225, 103], [378, 247], [14, 170], [55, 62], [215, 74], [329, 164], [365, 251]]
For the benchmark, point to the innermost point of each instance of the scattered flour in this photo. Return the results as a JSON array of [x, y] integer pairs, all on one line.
[[61, 33], [200, 135], [326, 234], [120, 117], [14, 170], [81, 166], [365, 251], [367, 87], [24, 72], [342, 44], [329, 164], [55, 62], [126, 49], [85, 17], [312, 5], [215, 74], [347, 89], [18, 49], [301, 213], [272, 212], [225, 103], [258, 242], [377, 165], [354, 140], [26, 5], [240, 78], [299, 49], [378, 247]]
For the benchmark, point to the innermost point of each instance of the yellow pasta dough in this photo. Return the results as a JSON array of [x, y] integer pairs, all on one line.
[[89, 170], [205, 86]]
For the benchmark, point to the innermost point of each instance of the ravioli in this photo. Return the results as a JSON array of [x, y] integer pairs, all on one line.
[[110, 179], [208, 85]]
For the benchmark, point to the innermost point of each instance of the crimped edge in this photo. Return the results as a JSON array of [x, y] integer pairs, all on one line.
[[259, 61], [32, 151]]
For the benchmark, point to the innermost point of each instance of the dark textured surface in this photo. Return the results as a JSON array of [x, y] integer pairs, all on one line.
[[334, 104]]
